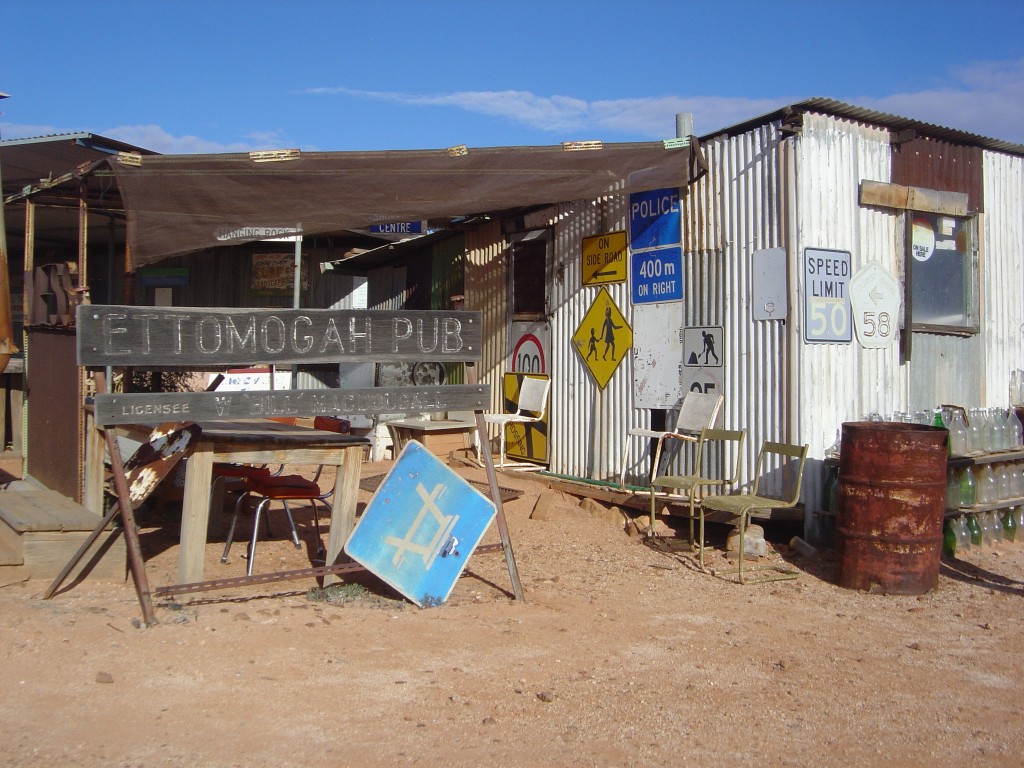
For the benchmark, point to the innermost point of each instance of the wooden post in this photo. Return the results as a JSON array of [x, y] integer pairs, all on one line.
[[131, 534], [492, 482]]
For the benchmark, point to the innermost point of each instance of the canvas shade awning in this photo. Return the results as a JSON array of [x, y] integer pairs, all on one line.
[[178, 204]]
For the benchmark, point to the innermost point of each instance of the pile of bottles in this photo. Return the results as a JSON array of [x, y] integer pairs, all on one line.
[[982, 529], [985, 430]]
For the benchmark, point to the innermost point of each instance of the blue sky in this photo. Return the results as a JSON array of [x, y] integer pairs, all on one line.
[[227, 76]]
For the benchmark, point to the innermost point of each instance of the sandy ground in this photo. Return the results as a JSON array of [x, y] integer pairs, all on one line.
[[623, 653]]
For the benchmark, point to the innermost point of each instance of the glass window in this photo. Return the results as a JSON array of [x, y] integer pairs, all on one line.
[[942, 272], [529, 270]]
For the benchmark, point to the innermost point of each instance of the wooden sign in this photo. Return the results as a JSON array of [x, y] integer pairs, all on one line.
[[153, 460], [139, 408], [154, 337]]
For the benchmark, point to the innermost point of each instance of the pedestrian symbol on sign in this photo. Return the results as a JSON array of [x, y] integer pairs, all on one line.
[[701, 347]]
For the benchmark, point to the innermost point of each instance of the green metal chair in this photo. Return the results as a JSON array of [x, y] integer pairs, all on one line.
[[789, 460], [730, 442]]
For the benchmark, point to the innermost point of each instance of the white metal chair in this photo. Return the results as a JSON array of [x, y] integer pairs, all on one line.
[[530, 407], [698, 411]]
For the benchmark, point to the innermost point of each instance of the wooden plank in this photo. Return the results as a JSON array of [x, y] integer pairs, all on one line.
[[44, 510], [154, 459], [47, 552], [900, 197], [11, 550], [343, 509], [148, 337], [195, 514], [138, 408]]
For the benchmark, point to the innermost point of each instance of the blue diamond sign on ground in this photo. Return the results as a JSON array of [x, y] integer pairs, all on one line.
[[420, 528]]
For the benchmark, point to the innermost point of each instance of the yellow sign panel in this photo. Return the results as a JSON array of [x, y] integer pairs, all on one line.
[[604, 258], [526, 442], [603, 339]]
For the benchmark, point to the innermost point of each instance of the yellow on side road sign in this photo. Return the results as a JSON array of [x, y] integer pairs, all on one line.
[[604, 258]]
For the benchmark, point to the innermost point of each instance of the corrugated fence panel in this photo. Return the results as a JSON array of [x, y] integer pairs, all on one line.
[[731, 213], [588, 424], [1003, 273], [837, 382]]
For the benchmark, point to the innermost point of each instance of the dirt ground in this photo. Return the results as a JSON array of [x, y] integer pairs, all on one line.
[[623, 653]]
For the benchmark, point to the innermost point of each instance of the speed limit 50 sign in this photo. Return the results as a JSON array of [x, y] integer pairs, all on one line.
[[827, 315]]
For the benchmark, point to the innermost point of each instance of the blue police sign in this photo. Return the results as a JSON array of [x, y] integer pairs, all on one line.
[[656, 275], [655, 219], [420, 527]]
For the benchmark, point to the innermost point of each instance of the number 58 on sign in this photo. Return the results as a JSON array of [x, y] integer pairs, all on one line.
[[827, 316]]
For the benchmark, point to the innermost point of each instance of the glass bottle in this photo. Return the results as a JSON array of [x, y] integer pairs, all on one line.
[[963, 533], [1019, 512], [1005, 483], [958, 437], [1001, 416], [987, 534], [987, 485], [948, 539], [976, 431], [1016, 428], [1009, 525], [952, 490], [968, 487], [995, 524], [975, 529]]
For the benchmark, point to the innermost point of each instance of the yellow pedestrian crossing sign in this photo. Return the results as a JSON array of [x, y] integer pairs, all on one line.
[[603, 339]]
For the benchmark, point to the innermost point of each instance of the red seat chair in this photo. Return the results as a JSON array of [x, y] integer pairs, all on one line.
[[285, 488]]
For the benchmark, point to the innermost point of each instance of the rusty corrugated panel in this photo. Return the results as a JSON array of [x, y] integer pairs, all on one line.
[[54, 405], [940, 165]]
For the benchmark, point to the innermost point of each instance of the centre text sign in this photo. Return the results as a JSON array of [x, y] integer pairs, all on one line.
[[189, 336]]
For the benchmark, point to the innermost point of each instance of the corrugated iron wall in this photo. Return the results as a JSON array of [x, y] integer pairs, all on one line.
[[734, 210], [487, 292], [1002, 274], [587, 424], [837, 382]]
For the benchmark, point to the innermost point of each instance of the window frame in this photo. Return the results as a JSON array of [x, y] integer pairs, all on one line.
[[543, 236], [972, 309]]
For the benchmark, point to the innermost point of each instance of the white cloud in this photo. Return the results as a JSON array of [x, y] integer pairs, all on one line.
[[985, 98], [152, 137], [156, 138]]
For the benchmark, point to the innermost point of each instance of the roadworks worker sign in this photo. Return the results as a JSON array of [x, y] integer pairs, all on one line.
[[603, 339]]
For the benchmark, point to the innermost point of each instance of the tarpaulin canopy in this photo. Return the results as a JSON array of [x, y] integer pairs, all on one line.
[[177, 204]]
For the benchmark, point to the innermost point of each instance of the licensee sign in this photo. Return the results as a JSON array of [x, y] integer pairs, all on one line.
[[827, 296]]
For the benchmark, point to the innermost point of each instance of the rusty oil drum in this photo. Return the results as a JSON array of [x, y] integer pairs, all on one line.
[[891, 506]]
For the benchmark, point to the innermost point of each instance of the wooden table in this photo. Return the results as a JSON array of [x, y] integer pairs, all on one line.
[[439, 436], [262, 442]]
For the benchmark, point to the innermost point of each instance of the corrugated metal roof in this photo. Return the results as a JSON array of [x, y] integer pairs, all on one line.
[[862, 114], [27, 161]]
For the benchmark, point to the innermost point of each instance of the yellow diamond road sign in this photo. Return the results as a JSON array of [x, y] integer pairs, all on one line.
[[604, 258], [603, 339]]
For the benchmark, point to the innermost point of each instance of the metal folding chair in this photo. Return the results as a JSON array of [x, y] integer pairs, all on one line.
[[698, 411], [788, 468], [285, 488], [728, 444], [530, 407]]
